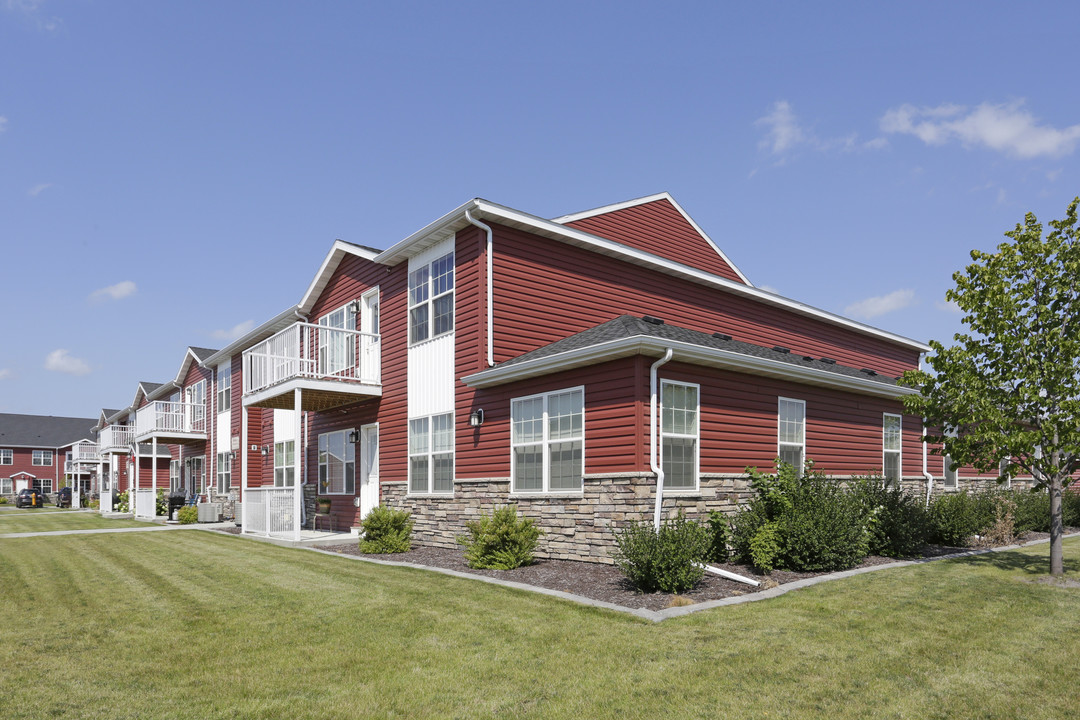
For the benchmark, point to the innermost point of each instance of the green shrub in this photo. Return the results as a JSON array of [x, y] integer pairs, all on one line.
[[500, 541], [161, 506], [188, 515], [898, 524], [1070, 508], [956, 517], [386, 530], [719, 534], [669, 559], [803, 522], [3, 500], [1032, 512], [122, 502]]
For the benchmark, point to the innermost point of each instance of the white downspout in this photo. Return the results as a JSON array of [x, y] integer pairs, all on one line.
[[654, 463], [925, 473], [490, 284]]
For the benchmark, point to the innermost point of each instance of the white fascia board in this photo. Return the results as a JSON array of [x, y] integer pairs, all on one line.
[[257, 335], [185, 365], [648, 199], [428, 235], [163, 390], [330, 263], [684, 352]]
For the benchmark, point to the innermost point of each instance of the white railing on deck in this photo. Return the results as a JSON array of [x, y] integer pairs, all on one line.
[[84, 452], [271, 512], [170, 417], [115, 437], [306, 350], [145, 505]]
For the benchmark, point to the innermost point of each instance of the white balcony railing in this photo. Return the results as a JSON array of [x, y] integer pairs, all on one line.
[[271, 512], [309, 351], [85, 452], [166, 418], [115, 437]]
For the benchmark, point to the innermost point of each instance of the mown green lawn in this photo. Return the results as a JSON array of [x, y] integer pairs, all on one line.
[[48, 519], [198, 625]]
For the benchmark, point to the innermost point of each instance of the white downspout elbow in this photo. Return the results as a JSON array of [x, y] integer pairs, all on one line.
[[490, 284], [654, 462], [926, 473]]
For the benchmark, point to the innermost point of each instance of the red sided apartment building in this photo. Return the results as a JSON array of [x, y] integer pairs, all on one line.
[[44, 452], [563, 365]]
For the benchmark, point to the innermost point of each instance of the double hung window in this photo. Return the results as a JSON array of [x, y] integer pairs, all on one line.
[[337, 464], [224, 473], [43, 485], [890, 448], [791, 432], [679, 434], [285, 464], [431, 299], [431, 454], [42, 457], [6, 486], [224, 387], [174, 475], [547, 441], [7, 456]]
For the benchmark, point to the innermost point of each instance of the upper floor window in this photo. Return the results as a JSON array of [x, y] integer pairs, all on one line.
[[224, 387], [7, 456], [890, 447], [791, 432], [336, 351], [431, 299], [337, 464], [547, 441], [42, 457], [679, 430]]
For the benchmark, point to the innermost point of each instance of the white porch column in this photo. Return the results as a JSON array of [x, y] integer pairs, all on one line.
[[153, 471], [243, 467], [298, 490]]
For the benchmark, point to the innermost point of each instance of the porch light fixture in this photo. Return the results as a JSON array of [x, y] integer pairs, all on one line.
[[476, 417], [265, 450], [354, 436], [354, 306]]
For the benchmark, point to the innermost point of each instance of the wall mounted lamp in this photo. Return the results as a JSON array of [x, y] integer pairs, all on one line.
[[476, 417]]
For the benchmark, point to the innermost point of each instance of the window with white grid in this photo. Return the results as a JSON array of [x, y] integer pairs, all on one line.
[[890, 447], [337, 464], [224, 387], [42, 457], [431, 299], [791, 432], [679, 434], [547, 441], [7, 456], [431, 455]]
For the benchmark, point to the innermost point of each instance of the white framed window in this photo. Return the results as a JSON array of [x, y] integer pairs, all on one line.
[[431, 299], [7, 486], [196, 470], [791, 432], [431, 455], [42, 457], [547, 442], [1003, 467], [195, 396], [224, 387], [680, 410], [174, 475], [337, 464], [891, 426], [948, 473], [7, 456], [285, 463], [336, 350], [224, 473], [43, 485]]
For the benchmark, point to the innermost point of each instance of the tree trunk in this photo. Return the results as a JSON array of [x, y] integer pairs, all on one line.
[[1057, 564]]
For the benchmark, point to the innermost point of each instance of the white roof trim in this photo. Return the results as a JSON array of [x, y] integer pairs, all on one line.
[[687, 352], [256, 335], [455, 220], [648, 199], [330, 263]]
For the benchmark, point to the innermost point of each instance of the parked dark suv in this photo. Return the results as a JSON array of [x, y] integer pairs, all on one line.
[[63, 497], [29, 497]]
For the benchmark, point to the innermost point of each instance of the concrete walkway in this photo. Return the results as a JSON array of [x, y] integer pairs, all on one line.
[[100, 531]]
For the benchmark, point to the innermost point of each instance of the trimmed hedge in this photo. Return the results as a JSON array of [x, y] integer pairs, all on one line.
[[386, 530], [671, 559], [500, 541]]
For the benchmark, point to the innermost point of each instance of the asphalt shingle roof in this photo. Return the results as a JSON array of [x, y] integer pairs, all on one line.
[[627, 326], [43, 431], [202, 353]]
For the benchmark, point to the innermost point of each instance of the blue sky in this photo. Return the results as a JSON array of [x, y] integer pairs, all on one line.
[[173, 173]]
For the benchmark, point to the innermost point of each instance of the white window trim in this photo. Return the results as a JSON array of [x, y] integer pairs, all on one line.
[[320, 464], [802, 445], [696, 437], [431, 298], [7, 456], [286, 466], [223, 467], [899, 451], [43, 454], [227, 392], [430, 455], [8, 483], [544, 490]]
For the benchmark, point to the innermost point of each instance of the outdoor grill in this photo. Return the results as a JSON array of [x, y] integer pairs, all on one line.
[[177, 498]]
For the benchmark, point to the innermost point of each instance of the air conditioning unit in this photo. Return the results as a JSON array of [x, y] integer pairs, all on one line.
[[209, 512]]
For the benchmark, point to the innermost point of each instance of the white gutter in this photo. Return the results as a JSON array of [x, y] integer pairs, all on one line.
[[654, 463], [925, 473], [490, 283]]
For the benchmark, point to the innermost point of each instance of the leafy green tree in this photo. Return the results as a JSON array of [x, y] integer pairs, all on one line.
[[1010, 387]]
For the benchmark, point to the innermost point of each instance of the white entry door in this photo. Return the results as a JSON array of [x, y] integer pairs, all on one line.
[[369, 468]]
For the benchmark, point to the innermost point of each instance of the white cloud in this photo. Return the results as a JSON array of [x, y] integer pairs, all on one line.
[[62, 361], [31, 9], [118, 291], [38, 189], [1007, 128], [948, 306], [235, 331], [5, 373], [784, 133], [872, 307]]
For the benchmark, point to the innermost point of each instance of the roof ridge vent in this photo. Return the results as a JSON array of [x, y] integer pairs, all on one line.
[[781, 349], [828, 361], [721, 336], [808, 358], [868, 371], [652, 320]]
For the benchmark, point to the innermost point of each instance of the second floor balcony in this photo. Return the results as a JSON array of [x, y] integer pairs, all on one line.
[[85, 452], [115, 438], [172, 422], [331, 366]]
